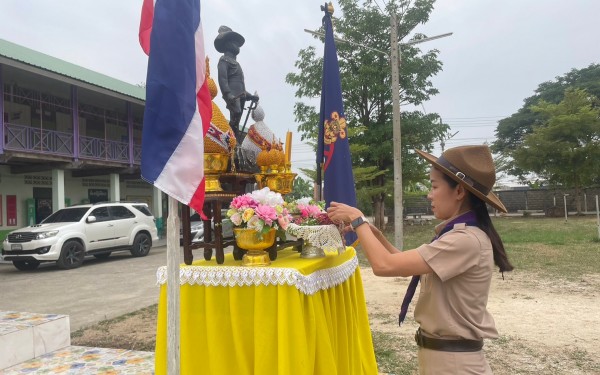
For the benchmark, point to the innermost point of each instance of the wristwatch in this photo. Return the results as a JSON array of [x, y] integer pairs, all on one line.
[[358, 222]]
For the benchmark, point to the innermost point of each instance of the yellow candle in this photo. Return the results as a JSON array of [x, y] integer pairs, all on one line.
[[288, 148]]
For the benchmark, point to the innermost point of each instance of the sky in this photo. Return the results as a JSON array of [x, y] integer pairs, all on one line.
[[499, 53]]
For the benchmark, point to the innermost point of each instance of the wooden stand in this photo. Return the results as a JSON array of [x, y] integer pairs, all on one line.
[[214, 201], [213, 237]]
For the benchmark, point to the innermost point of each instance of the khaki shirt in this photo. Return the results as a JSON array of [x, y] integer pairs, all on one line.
[[453, 299]]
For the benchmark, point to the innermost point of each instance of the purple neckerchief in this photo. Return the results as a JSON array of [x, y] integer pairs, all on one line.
[[469, 219]]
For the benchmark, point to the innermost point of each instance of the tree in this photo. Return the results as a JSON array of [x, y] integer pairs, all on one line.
[[512, 130], [302, 188], [565, 147], [366, 85]]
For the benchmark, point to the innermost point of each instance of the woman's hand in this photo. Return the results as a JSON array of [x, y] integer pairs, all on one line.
[[342, 213]]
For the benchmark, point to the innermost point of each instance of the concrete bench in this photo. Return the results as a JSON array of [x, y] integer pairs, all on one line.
[[24, 336], [417, 219]]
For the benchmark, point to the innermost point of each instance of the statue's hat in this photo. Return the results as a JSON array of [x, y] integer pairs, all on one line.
[[226, 35]]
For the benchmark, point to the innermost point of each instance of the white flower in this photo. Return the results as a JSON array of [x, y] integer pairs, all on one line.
[[255, 223], [305, 201], [236, 219], [267, 197]]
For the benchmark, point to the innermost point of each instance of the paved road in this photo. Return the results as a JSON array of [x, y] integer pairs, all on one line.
[[100, 289]]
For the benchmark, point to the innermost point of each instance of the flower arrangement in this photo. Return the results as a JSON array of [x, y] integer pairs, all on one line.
[[258, 210], [305, 211]]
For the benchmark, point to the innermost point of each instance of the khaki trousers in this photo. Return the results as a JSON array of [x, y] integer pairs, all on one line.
[[434, 362]]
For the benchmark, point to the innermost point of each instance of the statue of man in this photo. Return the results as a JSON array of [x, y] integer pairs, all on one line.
[[231, 76]]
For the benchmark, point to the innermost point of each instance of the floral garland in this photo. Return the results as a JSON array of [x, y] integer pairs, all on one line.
[[308, 212]]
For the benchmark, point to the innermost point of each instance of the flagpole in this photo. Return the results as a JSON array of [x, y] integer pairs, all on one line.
[[319, 183], [173, 288]]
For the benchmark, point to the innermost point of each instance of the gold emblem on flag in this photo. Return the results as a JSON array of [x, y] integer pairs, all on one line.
[[334, 128]]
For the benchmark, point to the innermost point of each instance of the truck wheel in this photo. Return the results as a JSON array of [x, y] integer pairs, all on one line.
[[141, 245], [71, 255], [26, 265]]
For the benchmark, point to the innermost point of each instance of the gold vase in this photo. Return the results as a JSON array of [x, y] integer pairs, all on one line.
[[249, 240]]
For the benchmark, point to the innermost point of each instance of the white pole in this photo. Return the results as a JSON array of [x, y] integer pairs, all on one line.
[[173, 288], [565, 200], [585, 202], [598, 217]]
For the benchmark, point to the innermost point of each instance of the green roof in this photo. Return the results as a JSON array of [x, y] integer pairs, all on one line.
[[40, 60]]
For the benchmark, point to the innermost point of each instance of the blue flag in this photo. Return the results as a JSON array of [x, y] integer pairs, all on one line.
[[333, 150]]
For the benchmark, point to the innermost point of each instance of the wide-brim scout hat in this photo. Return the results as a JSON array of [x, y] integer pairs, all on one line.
[[472, 167], [226, 35]]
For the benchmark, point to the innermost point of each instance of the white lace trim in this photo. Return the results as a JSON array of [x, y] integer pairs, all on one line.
[[254, 276], [323, 236]]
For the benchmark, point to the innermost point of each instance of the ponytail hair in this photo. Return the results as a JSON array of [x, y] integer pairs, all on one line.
[[485, 224]]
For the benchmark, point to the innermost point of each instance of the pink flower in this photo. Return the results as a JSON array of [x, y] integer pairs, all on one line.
[[266, 213], [304, 211], [243, 201], [314, 211], [309, 210]]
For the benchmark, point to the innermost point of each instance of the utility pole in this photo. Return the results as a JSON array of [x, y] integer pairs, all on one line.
[[396, 135], [444, 139]]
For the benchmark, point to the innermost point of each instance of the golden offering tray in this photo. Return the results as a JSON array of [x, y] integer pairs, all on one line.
[[282, 183]]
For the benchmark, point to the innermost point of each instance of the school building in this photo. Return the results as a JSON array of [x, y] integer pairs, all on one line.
[[68, 135]]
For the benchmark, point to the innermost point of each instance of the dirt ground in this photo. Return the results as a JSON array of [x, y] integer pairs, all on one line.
[[550, 327], [542, 313], [547, 327]]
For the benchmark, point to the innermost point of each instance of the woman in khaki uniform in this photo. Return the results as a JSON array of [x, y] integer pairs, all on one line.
[[455, 269]]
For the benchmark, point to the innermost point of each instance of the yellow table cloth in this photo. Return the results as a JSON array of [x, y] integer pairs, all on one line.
[[297, 316]]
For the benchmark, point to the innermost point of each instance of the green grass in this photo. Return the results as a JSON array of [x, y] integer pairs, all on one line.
[[395, 355], [3, 234], [547, 246], [551, 247]]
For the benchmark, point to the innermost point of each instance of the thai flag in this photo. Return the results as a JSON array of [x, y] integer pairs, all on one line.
[[333, 149], [178, 103], [146, 25]]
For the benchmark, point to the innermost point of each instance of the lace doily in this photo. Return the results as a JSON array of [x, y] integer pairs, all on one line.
[[323, 236], [254, 276]]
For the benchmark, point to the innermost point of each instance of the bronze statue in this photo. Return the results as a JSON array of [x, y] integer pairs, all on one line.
[[231, 76]]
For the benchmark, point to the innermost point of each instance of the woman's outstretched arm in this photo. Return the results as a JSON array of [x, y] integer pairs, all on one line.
[[384, 258]]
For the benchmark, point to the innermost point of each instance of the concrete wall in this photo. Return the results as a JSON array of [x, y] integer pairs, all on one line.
[[520, 200], [543, 199]]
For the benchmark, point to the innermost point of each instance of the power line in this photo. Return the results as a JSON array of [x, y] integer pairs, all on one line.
[[376, 3], [473, 126], [465, 118], [473, 122]]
